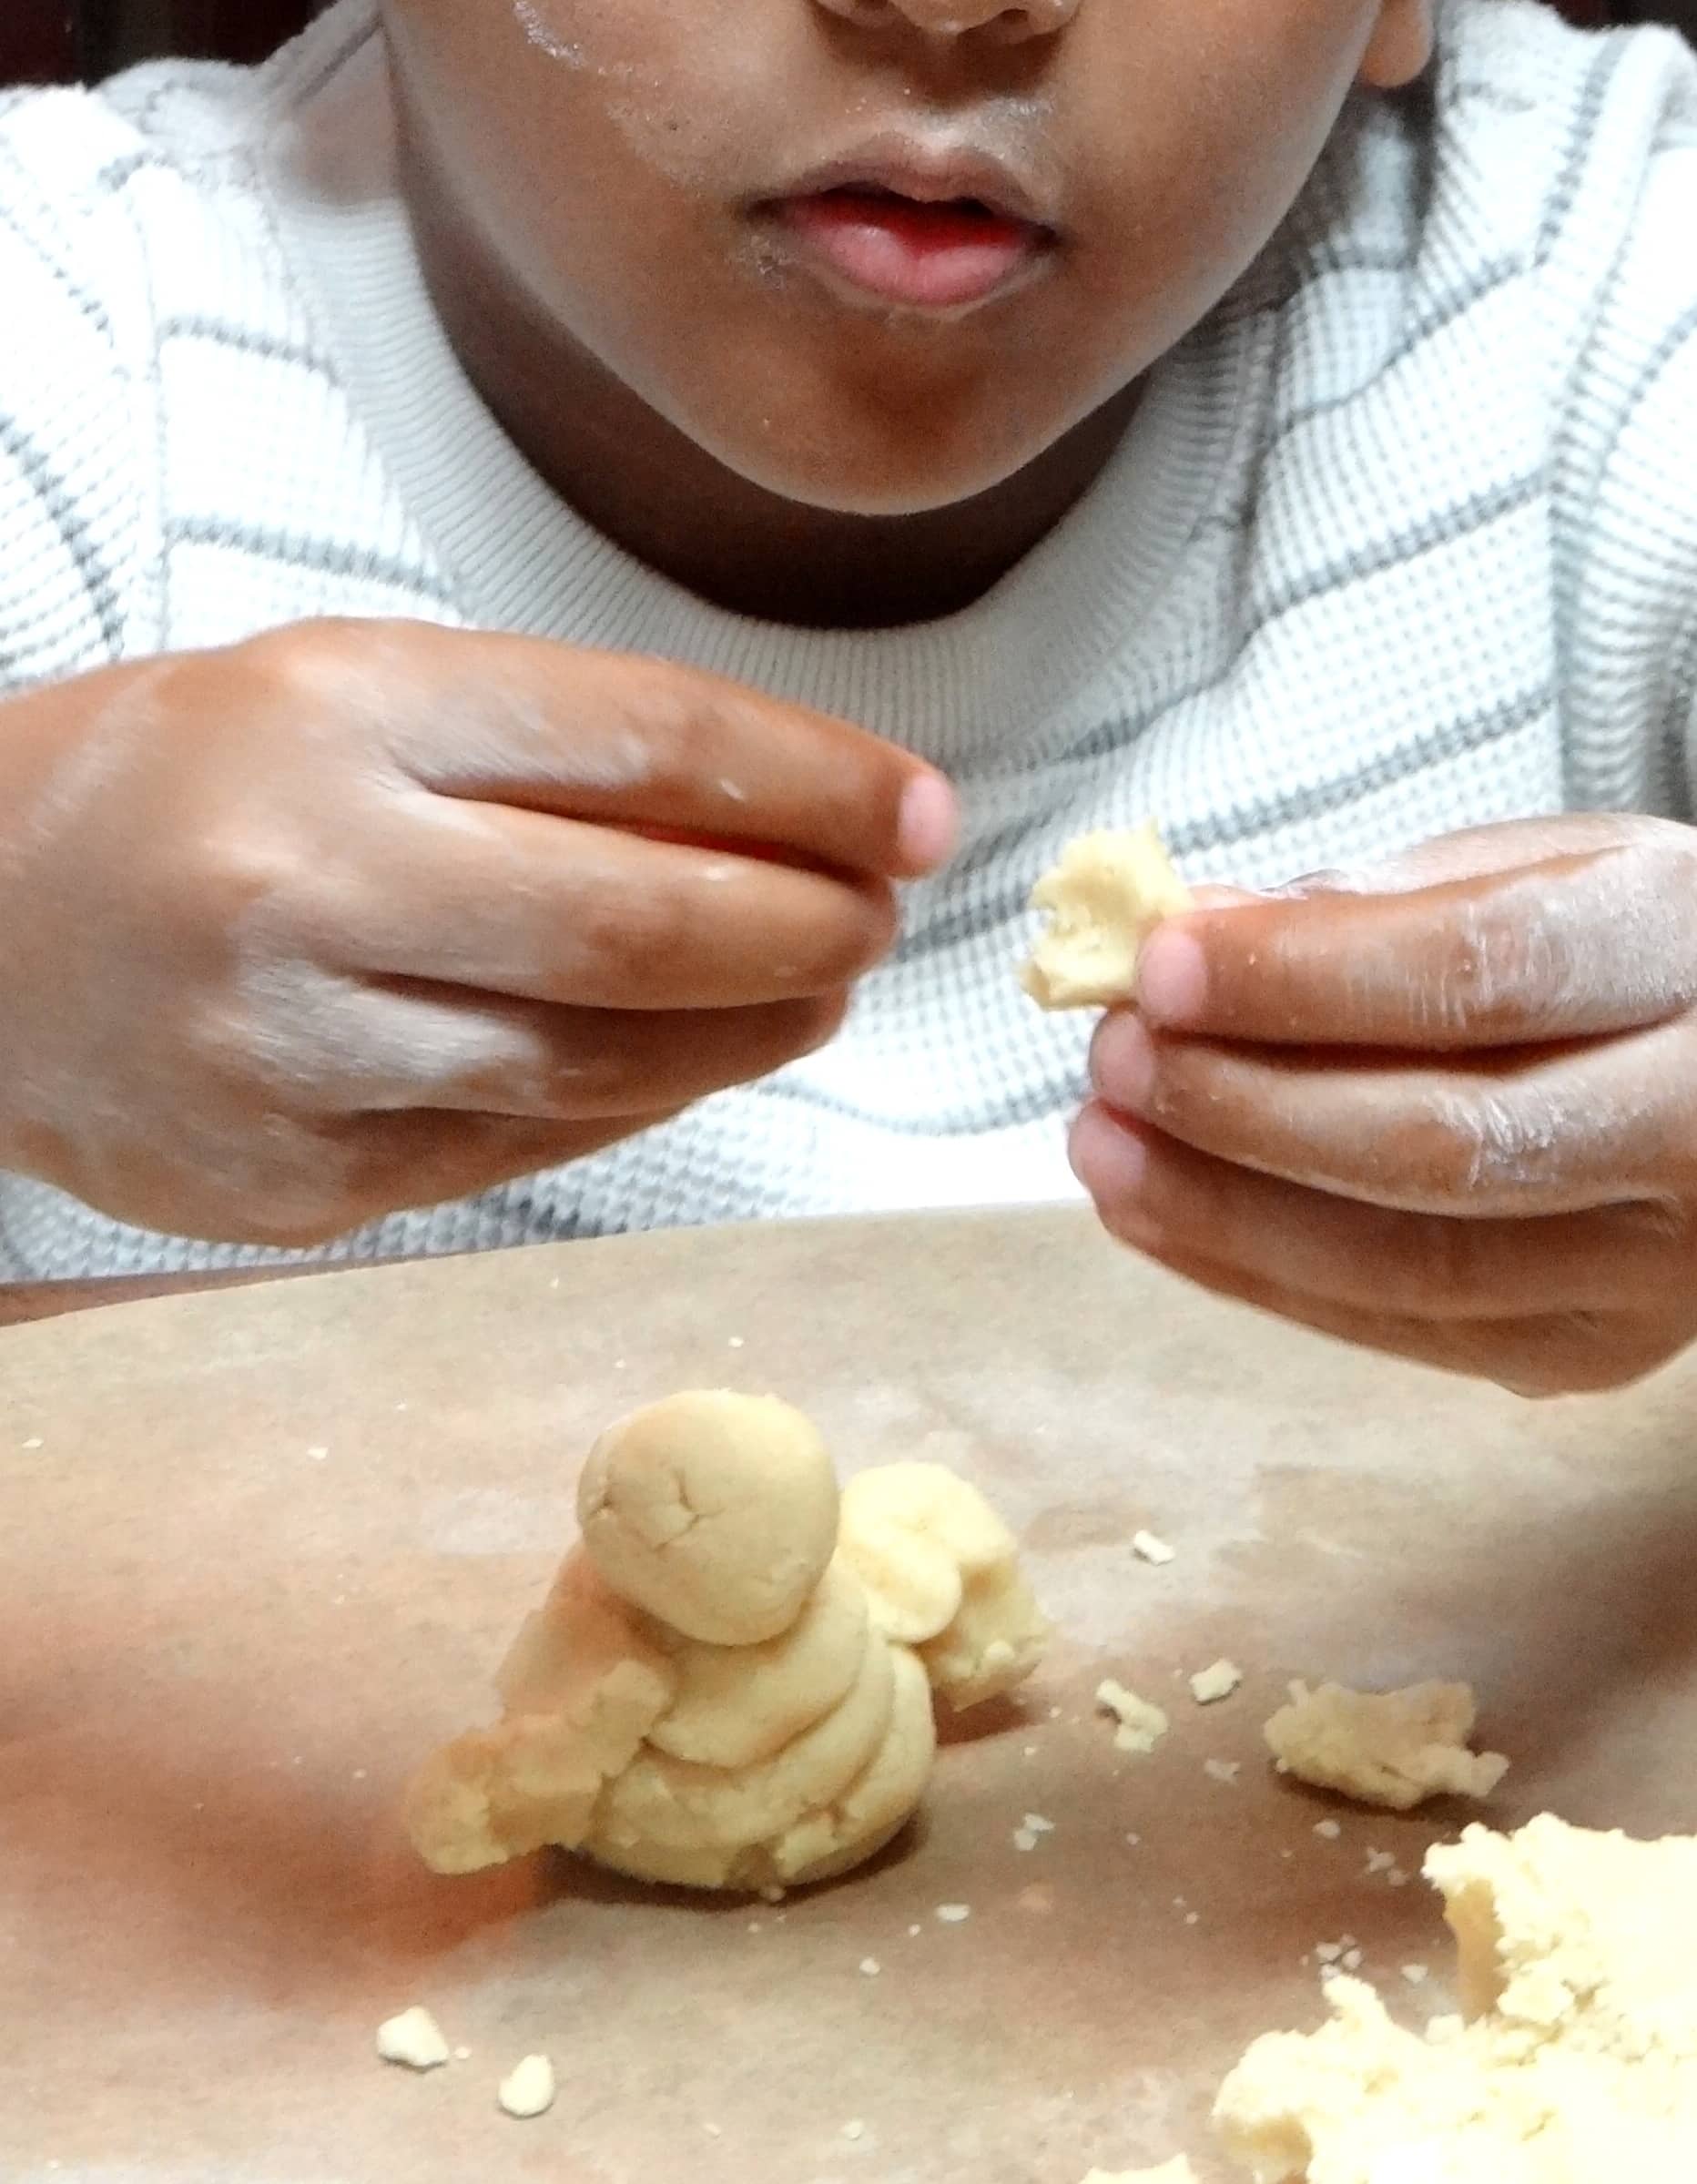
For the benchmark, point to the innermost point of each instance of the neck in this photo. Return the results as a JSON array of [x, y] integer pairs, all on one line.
[[652, 490]]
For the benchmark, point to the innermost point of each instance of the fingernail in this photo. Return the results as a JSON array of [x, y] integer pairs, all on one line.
[[1122, 1062], [1173, 977], [929, 824], [1106, 1158]]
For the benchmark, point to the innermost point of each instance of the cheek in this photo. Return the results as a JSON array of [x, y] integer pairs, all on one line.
[[1211, 121]]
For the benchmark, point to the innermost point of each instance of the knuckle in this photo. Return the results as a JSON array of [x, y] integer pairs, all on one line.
[[1503, 970]]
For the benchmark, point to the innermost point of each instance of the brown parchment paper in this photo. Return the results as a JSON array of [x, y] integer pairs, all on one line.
[[259, 1551]]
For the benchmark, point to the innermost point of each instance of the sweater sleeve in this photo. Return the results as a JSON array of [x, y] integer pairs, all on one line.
[[77, 502], [1620, 284]]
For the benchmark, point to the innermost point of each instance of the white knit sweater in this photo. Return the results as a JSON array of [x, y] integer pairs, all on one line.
[[1403, 539]]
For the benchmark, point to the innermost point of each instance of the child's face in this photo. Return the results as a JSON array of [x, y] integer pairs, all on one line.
[[724, 202]]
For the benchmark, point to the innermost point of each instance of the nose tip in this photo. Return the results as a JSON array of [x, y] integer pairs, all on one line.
[[960, 18]]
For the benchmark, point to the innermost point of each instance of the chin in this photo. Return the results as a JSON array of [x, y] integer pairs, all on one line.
[[880, 479]]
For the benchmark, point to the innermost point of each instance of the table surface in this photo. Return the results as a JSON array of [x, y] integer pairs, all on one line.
[[263, 1547]]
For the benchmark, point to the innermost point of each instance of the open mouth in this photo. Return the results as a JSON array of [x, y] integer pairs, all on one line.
[[910, 252]]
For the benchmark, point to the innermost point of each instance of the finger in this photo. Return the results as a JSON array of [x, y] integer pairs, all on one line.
[[1573, 946], [553, 909], [433, 1159], [525, 1059], [1503, 846], [613, 737], [1556, 1354], [1162, 1197], [1540, 1133]]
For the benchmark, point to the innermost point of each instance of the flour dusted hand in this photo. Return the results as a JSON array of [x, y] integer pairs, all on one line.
[[1442, 1108], [359, 915], [730, 1685]]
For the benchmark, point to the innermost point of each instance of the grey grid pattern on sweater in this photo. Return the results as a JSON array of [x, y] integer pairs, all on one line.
[[1403, 539]]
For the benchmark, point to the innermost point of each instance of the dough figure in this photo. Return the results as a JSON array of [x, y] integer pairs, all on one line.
[[1103, 900], [730, 1684]]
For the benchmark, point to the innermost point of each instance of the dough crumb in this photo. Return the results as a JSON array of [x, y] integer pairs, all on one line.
[[1177, 2171], [1208, 1686], [1039, 1825], [854, 2130], [870, 1967], [462, 2055], [528, 2089], [1417, 1974], [1024, 1838], [1328, 1830], [1223, 1771], [415, 2039], [953, 1914], [1101, 902], [1143, 1724], [1392, 1749], [1381, 1861], [1148, 1547]]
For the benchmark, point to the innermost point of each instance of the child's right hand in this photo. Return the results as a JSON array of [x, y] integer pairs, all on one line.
[[363, 916]]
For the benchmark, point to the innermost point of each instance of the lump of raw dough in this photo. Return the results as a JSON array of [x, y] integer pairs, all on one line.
[[413, 2038], [785, 1758], [1577, 2061], [716, 1512], [1394, 1749], [1102, 902]]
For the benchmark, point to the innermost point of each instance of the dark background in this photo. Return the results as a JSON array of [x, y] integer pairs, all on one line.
[[44, 39]]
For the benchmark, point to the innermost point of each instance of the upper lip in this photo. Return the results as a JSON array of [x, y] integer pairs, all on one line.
[[928, 171]]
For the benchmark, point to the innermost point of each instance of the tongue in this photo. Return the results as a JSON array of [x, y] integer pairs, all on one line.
[[928, 255]]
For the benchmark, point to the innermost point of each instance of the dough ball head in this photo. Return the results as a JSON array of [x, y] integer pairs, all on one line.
[[716, 1513]]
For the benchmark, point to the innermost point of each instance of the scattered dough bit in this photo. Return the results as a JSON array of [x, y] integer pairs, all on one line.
[[1177, 2171], [1101, 902], [1577, 2058], [528, 2089], [1223, 1771], [1328, 1831], [1381, 1861], [870, 1967], [1417, 1974], [1394, 1749], [854, 2130], [1142, 1722], [1025, 1838], [1148, 1547], [413, 2038], [1208, 1686], [731, 1683], [954, 1914]]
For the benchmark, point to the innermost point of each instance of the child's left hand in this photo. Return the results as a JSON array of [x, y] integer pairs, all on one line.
[[1445, 1109]]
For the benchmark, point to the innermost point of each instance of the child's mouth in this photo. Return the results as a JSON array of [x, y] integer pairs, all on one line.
[[910, 254]]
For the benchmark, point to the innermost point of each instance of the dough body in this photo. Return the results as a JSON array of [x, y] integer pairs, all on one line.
[[1101, 902], [1577, 2063], [787, 1755], [1391, 1749]]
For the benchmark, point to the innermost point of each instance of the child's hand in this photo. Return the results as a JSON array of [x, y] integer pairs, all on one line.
[[1454, 1117], [358, 917]]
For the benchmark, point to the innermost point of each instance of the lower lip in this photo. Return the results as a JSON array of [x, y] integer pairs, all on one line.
[[920, 257]]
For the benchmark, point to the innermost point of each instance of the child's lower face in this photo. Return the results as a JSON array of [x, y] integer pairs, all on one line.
[[878, 256]]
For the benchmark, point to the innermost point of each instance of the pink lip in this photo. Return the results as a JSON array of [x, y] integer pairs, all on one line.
[[923, 256], [916, 225]]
